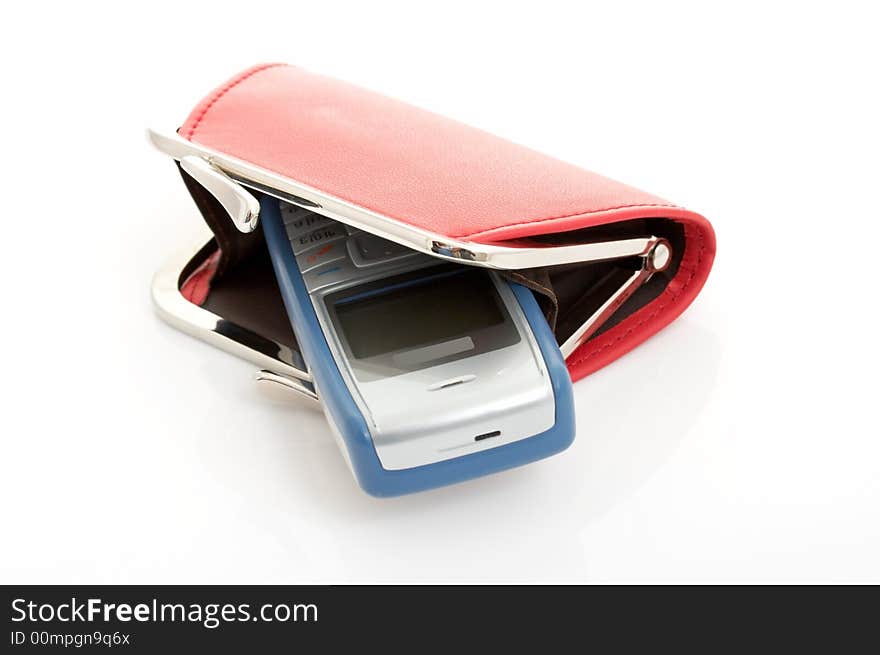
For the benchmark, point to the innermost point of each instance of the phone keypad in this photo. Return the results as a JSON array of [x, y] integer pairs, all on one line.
[[298, 220], [367, 250], [317, 237], [329, 275], [329, 253], [322, 254]]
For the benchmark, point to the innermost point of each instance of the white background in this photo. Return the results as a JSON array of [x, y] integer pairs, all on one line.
[[741, 444]]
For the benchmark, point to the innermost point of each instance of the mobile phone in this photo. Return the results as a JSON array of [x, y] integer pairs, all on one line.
[[429, 373]]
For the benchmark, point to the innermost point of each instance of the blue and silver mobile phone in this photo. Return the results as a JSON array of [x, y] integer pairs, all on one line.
[[429, 373]]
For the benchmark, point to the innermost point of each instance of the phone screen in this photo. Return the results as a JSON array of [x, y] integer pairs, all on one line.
[[411, 321]]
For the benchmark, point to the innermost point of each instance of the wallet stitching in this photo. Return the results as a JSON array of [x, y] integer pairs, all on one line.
[[201, 275], [223, 91], [231, 85], [579, 213], [672, 300]]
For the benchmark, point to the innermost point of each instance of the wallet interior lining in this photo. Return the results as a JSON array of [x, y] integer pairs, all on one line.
[[244, 289], [570, 293], [246, 292]]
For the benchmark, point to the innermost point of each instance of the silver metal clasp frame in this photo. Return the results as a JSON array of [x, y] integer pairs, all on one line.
[[656, 257], [282, 372], [242, 207], [230, 179]]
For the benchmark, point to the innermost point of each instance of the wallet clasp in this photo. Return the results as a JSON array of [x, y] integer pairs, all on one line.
[[239, 203], [656, 259]]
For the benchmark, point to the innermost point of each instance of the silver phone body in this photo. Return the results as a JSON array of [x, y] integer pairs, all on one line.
[[436, 373]]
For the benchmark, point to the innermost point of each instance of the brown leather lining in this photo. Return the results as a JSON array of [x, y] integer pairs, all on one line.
[[248, 295]]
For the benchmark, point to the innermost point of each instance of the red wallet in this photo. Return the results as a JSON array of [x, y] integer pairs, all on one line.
[[610, 265]]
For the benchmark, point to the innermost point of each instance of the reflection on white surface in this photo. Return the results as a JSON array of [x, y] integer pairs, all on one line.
[[528, 523]]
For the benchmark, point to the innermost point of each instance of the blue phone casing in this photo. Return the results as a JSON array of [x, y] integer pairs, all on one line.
[[344, 412]]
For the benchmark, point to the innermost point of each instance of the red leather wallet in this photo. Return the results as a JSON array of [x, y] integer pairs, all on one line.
[[574, 237]]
